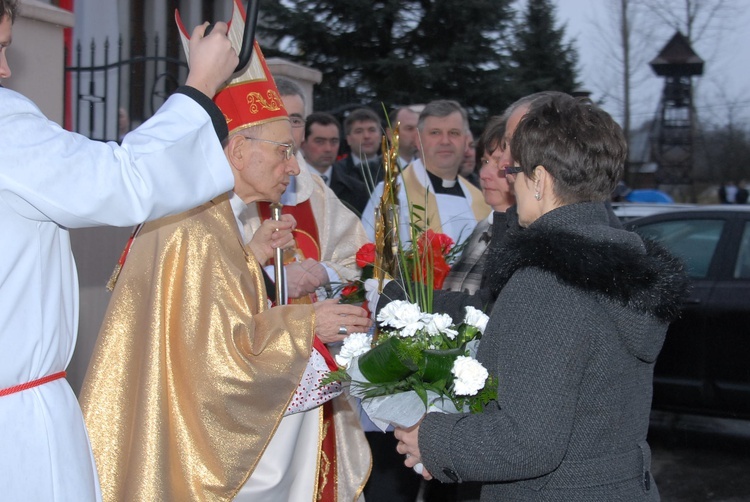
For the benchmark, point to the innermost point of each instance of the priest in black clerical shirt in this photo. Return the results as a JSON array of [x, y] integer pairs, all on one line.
[[452, 205]]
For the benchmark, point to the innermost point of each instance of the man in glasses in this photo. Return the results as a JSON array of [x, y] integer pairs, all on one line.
[[52, 180], [197, 388], [326, 238], [327, 235]]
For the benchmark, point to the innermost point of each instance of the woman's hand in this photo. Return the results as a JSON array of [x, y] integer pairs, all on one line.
[[271, 235], [408, 444], [334, 321]]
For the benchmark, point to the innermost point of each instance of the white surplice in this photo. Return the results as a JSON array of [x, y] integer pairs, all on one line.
[[51, 180]]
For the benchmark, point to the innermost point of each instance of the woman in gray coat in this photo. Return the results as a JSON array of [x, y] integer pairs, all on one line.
[[581, 314]]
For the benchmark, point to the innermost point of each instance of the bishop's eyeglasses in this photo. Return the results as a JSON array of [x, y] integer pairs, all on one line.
[[288, 148]]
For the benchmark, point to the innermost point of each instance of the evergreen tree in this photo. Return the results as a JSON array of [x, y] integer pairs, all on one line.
[[397, 51], [542, 60]]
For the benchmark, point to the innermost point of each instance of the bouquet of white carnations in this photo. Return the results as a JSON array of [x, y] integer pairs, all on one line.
[[420, 362]]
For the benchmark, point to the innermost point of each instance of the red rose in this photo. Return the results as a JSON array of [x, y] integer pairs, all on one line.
[[434, 265], [348, 290], [439, 272], [445, 243], [366, 255], [439, 243], [432, 249]]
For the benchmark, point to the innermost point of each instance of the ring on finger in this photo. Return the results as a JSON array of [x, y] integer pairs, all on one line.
[[343, 330]]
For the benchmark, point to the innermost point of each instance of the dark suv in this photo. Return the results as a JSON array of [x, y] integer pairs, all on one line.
[[704, 366]]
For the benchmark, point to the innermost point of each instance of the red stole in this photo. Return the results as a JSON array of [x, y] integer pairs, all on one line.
[[307, 245], [305, 235]]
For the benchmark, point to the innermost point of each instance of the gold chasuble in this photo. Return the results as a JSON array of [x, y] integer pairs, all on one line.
[[344, 462], [192, 371], [420, 195]]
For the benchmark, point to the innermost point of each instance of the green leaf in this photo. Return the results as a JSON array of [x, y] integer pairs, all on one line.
[[466, 333], [385, 363], [438, 364], [438, 387], [368, 272], [421, 392], [339, 375]]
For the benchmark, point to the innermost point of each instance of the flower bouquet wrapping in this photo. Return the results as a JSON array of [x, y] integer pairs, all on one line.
[[420, 362]]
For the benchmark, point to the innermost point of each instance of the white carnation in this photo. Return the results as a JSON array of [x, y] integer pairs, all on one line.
[[440, 323], [411, 329], [477, 318], [470, 376], [354, 345], [402, 315]]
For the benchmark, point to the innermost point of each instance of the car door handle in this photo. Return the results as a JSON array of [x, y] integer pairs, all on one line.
[[692, 301]]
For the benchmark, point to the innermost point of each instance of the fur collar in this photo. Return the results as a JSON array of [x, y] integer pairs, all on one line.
[[646, 279]]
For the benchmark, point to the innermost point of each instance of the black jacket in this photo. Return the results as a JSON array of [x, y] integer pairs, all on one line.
[[350, 190]]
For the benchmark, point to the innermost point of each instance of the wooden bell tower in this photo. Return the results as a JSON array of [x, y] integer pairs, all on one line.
[[673, 137]]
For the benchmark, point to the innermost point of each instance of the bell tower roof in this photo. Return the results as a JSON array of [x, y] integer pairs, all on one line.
[[677, 59]]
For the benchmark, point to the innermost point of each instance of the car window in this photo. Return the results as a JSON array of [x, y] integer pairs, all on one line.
[[742, 268], [692, 240]]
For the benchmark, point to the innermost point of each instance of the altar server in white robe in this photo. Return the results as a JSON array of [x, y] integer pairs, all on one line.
[[452, 205], [52, 180]]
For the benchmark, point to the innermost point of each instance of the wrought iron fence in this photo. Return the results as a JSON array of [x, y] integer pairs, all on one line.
[[138, 79], [136, 83]]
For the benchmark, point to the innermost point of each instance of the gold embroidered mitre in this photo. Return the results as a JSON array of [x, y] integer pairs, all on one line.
[[251, 97]]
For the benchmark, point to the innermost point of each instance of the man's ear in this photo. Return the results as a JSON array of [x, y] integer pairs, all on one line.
[[235, 151]]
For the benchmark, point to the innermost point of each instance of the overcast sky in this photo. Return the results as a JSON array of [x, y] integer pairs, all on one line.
[[726, 77]]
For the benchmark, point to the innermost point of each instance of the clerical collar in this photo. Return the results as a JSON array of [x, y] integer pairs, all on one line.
[[448, 187]]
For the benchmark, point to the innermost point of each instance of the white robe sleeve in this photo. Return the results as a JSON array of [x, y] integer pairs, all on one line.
[[173, 162]]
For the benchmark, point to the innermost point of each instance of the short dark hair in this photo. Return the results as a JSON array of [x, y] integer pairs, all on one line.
[[321, 118], [393, 116], [288, 87], [9, 8], [579, 144], [492, 136], [360, 115]]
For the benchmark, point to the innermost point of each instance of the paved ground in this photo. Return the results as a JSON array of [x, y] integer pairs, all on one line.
[[698, 459], [701, 460]]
